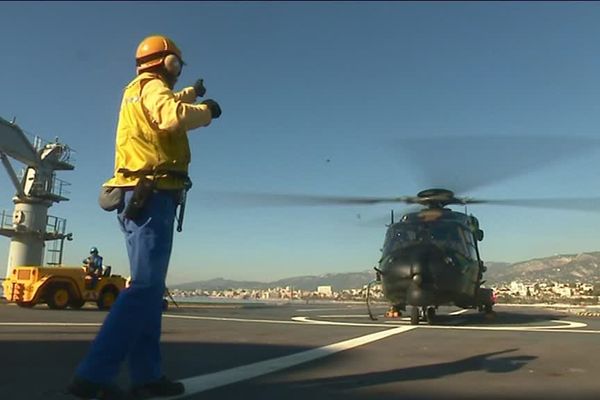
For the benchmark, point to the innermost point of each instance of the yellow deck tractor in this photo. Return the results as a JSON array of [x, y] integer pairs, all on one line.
[[61, 287]]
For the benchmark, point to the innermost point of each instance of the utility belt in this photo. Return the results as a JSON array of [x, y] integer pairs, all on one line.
[[112, 198]]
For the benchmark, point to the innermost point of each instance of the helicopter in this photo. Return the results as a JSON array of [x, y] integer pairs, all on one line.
[[430, 256]]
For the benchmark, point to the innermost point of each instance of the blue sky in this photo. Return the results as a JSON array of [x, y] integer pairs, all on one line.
[[302, 83]]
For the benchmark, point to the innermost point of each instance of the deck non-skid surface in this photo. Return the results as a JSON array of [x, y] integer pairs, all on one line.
[[325, 351]]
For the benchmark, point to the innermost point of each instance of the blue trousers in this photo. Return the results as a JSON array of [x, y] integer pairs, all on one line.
[[132, 327]]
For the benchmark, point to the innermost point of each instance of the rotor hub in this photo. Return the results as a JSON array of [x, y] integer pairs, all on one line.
[[437, 193], [437, 198]]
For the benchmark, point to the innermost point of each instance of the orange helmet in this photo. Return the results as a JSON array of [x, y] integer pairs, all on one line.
[[153, 50]]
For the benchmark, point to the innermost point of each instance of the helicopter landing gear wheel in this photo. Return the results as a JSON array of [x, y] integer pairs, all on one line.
[[393, 312], [414, 315], [430, 315]]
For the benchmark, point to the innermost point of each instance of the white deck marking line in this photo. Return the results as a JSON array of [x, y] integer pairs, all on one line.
[[201, 383], [294, 321], [564, 326], [321, 309], [50, 324], [513, 329], [398, 321], [308, 321], [568, 324], [367, 315], [263, 321], [345, 316]]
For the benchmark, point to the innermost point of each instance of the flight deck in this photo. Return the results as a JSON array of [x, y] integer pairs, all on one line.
[[323, 351]]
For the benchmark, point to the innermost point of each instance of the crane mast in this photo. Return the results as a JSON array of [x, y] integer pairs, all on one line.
[[29, 226]]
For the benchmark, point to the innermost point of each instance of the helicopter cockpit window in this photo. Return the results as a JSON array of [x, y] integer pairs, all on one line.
[[444, 234], [401, 236], [449, 235], [470, 242]]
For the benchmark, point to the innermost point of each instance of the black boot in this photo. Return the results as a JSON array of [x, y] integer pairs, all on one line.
[[84, 389], [160, 388]]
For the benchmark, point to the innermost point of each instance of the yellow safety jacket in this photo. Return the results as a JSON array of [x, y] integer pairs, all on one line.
[[152, 132]]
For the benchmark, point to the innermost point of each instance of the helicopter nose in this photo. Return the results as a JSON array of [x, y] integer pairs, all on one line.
[[404, 268], [400, 269]]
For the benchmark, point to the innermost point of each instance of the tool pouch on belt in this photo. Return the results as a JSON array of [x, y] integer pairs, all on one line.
[[141, 193], [111, 198]]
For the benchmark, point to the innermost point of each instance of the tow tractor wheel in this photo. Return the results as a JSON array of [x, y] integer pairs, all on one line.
[[58, 297], [414, 315], [107, 298]]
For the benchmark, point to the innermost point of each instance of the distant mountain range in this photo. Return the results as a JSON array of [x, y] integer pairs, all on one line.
[[562, 268], [339, 281]]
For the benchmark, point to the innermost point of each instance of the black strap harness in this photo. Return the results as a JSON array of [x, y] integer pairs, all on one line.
[[156, 173]]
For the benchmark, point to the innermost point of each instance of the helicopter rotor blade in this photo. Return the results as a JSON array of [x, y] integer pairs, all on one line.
[[279, 199], [577, 204], [459, 163], [463, 163], [300, 200]]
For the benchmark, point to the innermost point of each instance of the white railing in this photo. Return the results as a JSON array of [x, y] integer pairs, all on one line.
[[54, 225], [6, 220]]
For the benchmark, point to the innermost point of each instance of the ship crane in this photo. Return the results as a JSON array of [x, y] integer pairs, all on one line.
[[29, 226]]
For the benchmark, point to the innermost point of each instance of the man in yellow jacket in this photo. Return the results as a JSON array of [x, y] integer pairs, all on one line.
[[151, 166]]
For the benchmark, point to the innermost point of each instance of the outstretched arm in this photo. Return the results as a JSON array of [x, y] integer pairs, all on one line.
[[169, 113]]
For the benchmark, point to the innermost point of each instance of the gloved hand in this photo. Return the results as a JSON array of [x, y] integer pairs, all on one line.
[[213, 106], [199, 88]]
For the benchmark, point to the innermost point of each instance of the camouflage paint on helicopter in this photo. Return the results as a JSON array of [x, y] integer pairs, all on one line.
[[430, 258]]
